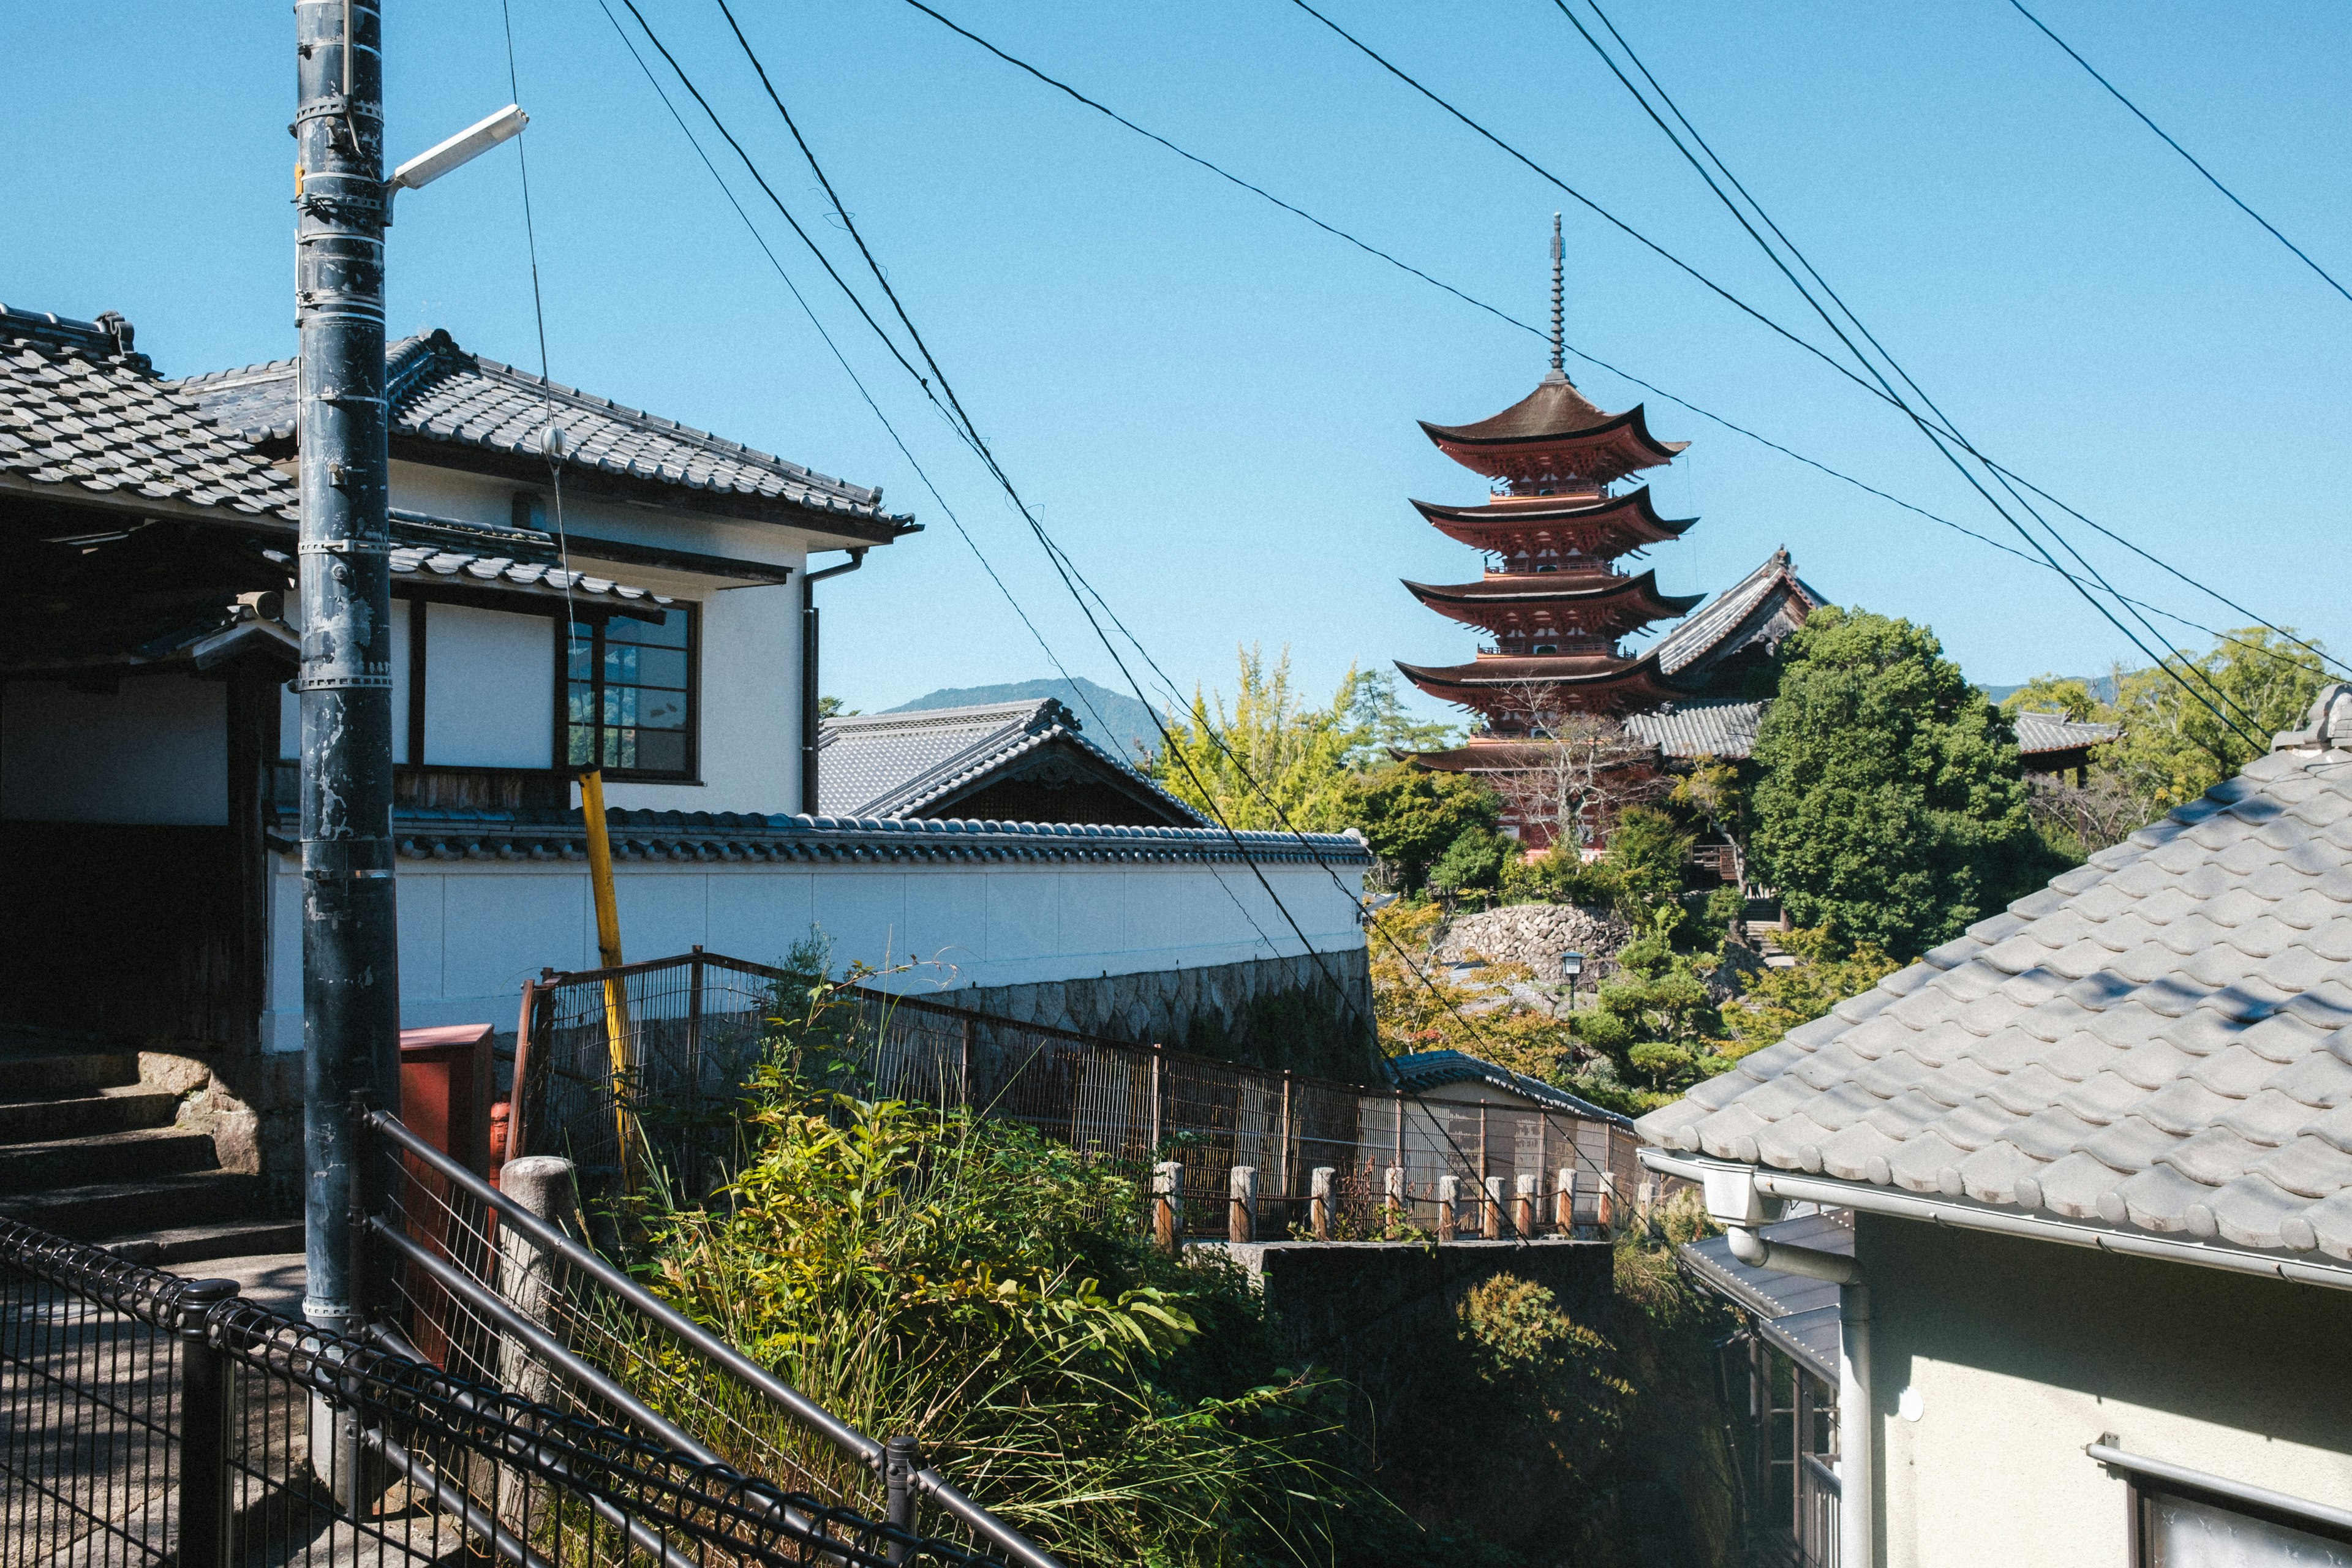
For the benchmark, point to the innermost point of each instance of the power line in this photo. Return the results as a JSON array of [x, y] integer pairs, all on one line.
[[1935, 433], [2210, 178], [1626, 375], [1067, 569]]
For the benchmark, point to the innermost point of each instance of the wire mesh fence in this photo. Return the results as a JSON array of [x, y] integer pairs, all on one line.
[[155, 1419], [653, 1056]]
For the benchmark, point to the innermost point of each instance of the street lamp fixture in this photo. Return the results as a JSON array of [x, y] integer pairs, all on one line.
[[1571, 964], [463, 148]]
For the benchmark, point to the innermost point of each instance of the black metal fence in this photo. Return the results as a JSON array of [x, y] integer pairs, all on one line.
[[149, 1419], [506, 1288], [652, 1055]]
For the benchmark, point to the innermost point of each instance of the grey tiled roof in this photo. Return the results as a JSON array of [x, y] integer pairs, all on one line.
[[2161, 1040], [1720, 727], [1795, 1312], [81, 411], [505, 571], [1726, 727], [1434, 1070], [900, 764], [739, 838], [440, 391], [2039, 732], [1705, 631]]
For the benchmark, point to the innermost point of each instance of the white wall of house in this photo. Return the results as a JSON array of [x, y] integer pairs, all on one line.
[[489, 688], [748, 712], [154, 751], [2019, 1353], [472, 931]]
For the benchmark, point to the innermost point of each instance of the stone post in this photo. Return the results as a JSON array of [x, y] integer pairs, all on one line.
[[528, 1280], [1644, 1198], [1566, 1200], [1241, 1211], [1319, 1206], [1604, 1213], [1449, 1194], [1392, 1197], [1523, 1204], [1490, 1209], [1168, 1206]]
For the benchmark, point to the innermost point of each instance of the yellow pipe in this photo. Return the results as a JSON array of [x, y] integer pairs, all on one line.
[[608, 953]]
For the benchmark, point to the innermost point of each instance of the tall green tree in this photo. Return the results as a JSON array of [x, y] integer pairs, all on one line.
[[2175, 747], [1411, 816], [1890, 805], [1273, 748]]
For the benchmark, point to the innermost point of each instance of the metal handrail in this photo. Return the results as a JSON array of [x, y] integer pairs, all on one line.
[[553, 1241]]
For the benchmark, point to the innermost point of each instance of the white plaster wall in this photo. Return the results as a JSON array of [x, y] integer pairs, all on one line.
[[489, 689], [2019, 1353], [749, 670], [156, 750], [472, 931]]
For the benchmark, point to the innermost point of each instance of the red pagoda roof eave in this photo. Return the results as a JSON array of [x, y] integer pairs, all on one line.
[[1523, 516], [1620, 685], [1536, 594], [1626, 437]]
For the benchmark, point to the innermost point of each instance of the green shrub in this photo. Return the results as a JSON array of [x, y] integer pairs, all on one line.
[[1474, 860]]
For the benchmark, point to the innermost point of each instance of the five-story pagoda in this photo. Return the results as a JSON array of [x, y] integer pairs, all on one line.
[[1556, 600]]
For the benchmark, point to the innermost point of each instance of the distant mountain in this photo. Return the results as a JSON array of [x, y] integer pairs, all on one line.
[[1111, 720], [2102, 687]]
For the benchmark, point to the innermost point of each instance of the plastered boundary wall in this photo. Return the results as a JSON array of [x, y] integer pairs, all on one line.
[[2017, 1352], [471, 931]]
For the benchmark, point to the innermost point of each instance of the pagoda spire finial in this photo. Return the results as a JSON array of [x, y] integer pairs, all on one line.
[[1558, 361]]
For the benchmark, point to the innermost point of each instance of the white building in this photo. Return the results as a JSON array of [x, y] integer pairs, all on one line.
[[147, 739]]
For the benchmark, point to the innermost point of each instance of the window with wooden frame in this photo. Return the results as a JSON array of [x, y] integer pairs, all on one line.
[[627, 698]]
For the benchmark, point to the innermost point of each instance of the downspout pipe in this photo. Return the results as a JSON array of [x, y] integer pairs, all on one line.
[[1735, 1202], [809, 735]]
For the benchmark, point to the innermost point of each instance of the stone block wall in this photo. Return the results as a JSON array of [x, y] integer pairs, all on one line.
[[1308, 1013]]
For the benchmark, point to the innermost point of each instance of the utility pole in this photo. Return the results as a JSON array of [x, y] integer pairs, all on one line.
[[350, 976]]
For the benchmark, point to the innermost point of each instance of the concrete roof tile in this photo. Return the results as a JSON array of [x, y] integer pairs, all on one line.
[[2185, 1107], [2172, 996], [1990, 1174], [2319, 1081], [2019, 952], [2310, 1167], [2084, 957], [2270, 1118], [1877, 1037], [2079, 1056], [2143, 963], [2334, 1124], [2134, 1143], [1892, 1074], [2309, 909], [1720, 1090], [2152, 1064], [1927, 1164], [2237, 1073], [2073, 1186], [2039, 905], [1973, 1123], [2159, 1198], [1842, 1106], [2050, 1133], [2101, 1099], [2323, 1226], [2080, 879], [2279, 881], [1996, 928], [2249, 1212], [1811, 1036], [1850, 1153], [1956, 1083], [1906, 1115], [1959, 949], [2103, 902], [2203, 1032]]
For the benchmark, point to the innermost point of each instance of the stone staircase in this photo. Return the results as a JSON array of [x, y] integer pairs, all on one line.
[[90, 1151]]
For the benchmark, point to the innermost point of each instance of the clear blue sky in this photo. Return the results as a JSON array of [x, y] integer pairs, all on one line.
[[1212, 404]]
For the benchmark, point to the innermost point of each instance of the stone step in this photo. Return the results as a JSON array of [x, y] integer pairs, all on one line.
[[134, 1208], [31, 1169], [29, 1070], [203, 1243], [78, 1113]]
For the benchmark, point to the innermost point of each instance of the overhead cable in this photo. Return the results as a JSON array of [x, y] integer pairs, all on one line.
[[1628, 376], [2210, 178]]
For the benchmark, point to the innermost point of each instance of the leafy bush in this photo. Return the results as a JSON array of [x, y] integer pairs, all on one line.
[[1474, 860], [1825, 973], [1561, 874], [1411, 816], [987, 1290]]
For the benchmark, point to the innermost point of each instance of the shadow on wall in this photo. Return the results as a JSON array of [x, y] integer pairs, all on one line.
[[1309, 1015]]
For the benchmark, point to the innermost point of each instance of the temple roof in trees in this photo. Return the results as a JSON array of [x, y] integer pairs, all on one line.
[[1581, 604], [1555, 432], [1607, 528], [1761, 608]]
